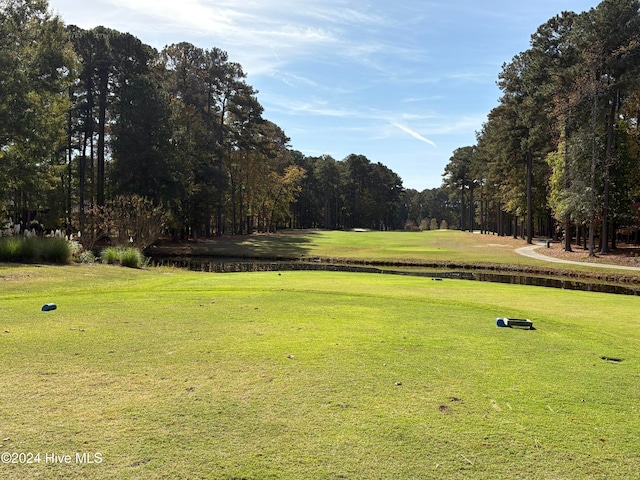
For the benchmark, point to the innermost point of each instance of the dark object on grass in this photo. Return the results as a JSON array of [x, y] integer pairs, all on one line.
[[544, 241], [612, 359], [48, 307], [515, 322]]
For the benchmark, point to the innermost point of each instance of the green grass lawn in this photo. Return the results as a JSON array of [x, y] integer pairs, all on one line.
[[313, 375], [415, 247], [429, 246]]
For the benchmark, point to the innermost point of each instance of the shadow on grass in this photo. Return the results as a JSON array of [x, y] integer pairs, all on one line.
[[287, 245]]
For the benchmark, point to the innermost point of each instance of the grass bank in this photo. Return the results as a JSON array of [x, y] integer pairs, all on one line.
[[173, 374]]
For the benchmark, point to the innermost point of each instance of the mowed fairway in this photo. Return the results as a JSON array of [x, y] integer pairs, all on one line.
[[429, 246], [312, 375], [436, 246]]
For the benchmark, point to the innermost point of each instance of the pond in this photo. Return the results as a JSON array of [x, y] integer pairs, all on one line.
[[231, 265]]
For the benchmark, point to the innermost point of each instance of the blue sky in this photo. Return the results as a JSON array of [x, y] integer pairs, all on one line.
[[404, 83]]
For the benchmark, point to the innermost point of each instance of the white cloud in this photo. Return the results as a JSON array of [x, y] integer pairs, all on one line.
[[458, 125], [317, 108], [240, 23], [262, 36], [343, 14]]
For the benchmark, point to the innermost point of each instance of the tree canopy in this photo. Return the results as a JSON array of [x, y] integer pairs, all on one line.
[[89, 116], [561, 147]]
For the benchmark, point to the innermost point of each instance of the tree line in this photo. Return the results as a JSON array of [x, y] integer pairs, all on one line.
[[559, 155], [93, 120], [91, 117]]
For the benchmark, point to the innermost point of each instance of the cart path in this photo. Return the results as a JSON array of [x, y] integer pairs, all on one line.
[[530, 251]]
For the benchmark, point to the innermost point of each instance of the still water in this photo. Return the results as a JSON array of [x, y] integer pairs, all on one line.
[[230, 265]]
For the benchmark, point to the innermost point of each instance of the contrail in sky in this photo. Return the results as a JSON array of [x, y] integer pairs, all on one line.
[[416, 135]]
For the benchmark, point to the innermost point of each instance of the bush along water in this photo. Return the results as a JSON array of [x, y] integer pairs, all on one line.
[[127, 257]]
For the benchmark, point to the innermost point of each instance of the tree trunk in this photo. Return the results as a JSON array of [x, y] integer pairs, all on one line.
[[592, 229], [82, 173], [607, 177], [592, 200], [234, 210], [472, 210], [613, 235], [578, 234], [463, 212], [327, 209], [567, 217], [529, 158], [69, 192], [102, 120]]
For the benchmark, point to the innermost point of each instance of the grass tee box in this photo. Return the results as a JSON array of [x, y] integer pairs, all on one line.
[[162, 373]]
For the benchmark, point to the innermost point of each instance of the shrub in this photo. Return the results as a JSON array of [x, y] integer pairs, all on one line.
[[410, 226], [76, 250], [9, 247], [28, 249], [110, 255], [87, 257], [131, 257], [55, 250], [127, 257], [34, 249]]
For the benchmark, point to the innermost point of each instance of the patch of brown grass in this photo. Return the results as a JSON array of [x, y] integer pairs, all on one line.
[[626, 255]]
